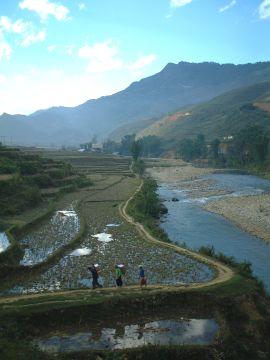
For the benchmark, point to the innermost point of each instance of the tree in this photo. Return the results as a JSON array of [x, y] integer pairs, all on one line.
[[151, 146], [109, 147], [126, 142], [186, 149], [251, 144], [214, 148], [138, 166], [199, 147], [135, 149]]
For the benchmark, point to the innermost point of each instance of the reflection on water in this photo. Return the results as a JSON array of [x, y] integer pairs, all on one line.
[[186, 222], [103, 237], [4, 242], [162, 332], [44, 240], [81, 252]]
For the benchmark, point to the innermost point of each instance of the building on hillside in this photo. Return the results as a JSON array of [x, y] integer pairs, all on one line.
[[225, 145], [97, 148]]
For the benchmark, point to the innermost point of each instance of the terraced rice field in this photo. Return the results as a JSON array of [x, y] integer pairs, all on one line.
[[108, 240], [49, 236]]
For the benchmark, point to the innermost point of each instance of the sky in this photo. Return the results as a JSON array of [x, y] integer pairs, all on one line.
[[63, 53]]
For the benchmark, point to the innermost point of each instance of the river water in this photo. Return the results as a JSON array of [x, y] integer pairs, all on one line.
[[187, 222]]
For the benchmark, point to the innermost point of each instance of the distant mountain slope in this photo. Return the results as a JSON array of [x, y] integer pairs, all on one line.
[[221, 116], [176, 86]]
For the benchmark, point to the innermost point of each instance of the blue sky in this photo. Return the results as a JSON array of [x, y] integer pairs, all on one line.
[[65, 52]]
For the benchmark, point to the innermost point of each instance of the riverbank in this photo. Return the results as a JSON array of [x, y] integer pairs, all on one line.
[[250, 213], [175, 174]]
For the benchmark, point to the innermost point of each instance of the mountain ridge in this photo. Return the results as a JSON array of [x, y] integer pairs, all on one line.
[[222, 116], [174, 87]]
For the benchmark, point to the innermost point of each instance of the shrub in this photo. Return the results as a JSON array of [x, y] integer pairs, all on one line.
[[28, 168], [41, 180], [7, 166], [207, 250]]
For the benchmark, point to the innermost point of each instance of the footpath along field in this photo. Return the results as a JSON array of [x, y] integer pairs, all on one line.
[[87, 228], [50, 298]]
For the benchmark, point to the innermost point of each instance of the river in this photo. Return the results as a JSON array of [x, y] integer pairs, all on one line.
[[186, 222]]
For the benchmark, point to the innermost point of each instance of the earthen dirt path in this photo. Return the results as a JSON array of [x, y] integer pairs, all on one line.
[[223, 272]]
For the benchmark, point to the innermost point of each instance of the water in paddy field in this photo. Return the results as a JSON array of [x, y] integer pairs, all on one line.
[[161, 332], [4, 242], [49, 236], [187, 222]]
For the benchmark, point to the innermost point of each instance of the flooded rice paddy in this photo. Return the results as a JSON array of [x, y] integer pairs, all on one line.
[[4, 242], [49, 236], [108, 245], [160, 332]]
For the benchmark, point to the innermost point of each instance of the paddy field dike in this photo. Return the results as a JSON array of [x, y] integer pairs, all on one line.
[[46, 287]]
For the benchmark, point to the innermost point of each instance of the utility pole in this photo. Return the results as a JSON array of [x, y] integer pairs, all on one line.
[[2, 139]]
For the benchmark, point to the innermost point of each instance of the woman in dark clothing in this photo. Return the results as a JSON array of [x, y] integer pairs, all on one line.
[[118, 276], [94, 272]]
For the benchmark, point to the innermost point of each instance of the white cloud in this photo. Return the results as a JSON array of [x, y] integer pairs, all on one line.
[[5, 50], [33, 38], [82, 6], [142, 62], [5, 23], [168, 16], [22, 28], [18, 27], [44, 8], [227, 7], [178, 3], [102, 57], [264, 9]]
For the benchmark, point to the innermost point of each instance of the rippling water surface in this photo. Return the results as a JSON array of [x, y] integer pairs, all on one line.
[[187, 222]]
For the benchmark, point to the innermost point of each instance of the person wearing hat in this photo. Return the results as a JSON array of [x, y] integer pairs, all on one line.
[[142, 278], [94, 270]]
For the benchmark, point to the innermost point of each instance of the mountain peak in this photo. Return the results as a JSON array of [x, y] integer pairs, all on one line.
[[176, 86]]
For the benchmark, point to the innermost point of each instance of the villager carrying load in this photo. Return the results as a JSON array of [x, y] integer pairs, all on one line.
[[119, 272], [142, 278], [95, 270]]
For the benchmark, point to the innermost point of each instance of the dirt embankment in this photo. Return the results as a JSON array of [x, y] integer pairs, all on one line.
[[175, 174]]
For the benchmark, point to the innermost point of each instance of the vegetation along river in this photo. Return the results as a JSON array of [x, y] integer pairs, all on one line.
[[188, 222]]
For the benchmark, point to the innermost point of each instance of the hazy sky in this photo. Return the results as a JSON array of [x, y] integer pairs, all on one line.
[[68, 51]]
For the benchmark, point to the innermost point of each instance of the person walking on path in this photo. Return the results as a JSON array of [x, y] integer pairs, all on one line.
[[118, 276], [142, 278], [94, 270]]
